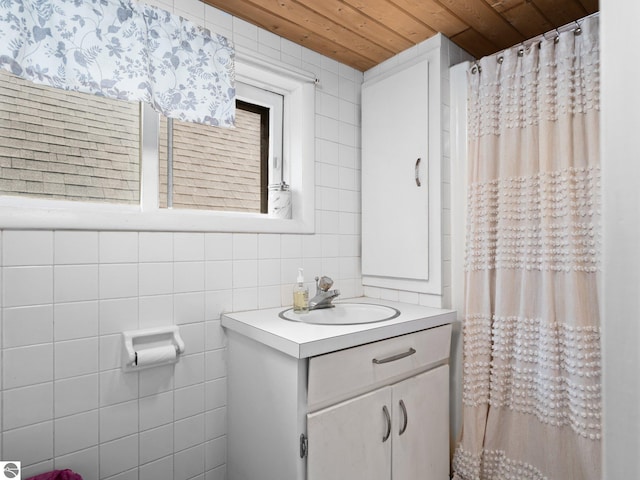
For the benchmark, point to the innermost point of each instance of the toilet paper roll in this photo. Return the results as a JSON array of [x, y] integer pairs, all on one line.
[[155, 356], [279, 202]]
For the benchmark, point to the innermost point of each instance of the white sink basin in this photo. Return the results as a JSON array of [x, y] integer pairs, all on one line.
[[343, 314]]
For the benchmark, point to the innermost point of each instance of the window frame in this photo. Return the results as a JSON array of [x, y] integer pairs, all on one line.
[[265, 154], [274, 102], [266, 141], [297, 88]]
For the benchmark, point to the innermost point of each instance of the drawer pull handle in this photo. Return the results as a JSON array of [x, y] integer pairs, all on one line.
[[387, 417], [393, 358], [417, 171], [404, 415]]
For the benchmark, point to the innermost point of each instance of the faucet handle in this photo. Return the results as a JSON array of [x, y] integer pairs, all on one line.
[[323, 283]]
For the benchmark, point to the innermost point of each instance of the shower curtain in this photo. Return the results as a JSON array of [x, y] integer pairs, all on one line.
[[531, 374]]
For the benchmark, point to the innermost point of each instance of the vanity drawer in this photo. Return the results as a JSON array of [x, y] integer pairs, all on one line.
[[339, 375]]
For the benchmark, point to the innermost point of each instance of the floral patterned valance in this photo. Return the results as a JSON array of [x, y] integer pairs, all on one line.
[[123, 50]]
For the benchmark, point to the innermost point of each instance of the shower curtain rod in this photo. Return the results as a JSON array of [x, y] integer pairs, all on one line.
[[575, 26]]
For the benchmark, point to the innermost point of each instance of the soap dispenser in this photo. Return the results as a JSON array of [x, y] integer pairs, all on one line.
[[300, 295]]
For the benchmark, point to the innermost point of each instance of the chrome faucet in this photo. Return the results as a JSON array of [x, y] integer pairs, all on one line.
[[324, 296]]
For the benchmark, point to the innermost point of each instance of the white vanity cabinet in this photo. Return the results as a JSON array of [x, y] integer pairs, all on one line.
[[399, 428], [393, 432], [317, 402]]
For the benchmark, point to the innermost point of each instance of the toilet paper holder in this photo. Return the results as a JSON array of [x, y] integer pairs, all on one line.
[[151, 347]]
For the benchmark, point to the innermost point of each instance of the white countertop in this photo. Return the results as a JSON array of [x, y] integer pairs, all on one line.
[[302, 340]]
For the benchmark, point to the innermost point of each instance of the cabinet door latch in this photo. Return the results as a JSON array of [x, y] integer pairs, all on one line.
[[303, 445]]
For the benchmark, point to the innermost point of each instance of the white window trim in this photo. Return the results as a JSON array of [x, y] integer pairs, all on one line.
[[298, 89]]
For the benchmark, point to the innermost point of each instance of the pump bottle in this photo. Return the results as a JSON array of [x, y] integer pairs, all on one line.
[[300, 295]]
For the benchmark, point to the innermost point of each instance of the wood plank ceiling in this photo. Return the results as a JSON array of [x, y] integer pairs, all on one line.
[[363, 33]]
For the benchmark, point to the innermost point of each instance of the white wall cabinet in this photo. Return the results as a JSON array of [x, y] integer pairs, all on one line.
[[323, 417], [405, 138], [395, 175]]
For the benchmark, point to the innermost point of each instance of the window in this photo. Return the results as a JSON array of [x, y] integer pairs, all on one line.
[[210, 168], [55, 144], [107, 161]]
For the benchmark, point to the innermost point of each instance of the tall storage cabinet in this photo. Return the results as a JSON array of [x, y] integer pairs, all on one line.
[[395, 180], [404, 146]]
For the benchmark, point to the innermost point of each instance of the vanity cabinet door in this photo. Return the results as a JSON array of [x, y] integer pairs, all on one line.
[[345, 441], [421, 426]]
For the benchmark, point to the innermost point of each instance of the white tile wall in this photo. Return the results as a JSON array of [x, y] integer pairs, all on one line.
[[27, 248], [156, 443], [118, 420], [27, 405], [76, 432], [75, 320], [188, 463], [155, 247], [75, 283], [27, 326], [118, 247], [75, 248], [159, 470], [118, 456], [73, 358], [118, 280], [76, 395], [67, 295], [23, 286], [32, 444], [156, 410], [25, 366]]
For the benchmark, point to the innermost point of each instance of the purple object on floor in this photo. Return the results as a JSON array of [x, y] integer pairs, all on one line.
[[57, 475]]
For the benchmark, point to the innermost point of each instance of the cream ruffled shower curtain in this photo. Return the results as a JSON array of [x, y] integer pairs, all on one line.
[[531, 392]]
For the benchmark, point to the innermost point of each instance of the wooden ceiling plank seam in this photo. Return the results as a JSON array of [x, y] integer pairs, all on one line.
[[394, 18], [465, 33], [293, 32], [561, 13], [426, 11], [591, 6], [414, 17], [581, 5], [528, 20], [360, 24], [504, 5], [485, 20], [475, 43], [498, 15], [541, 13], [321, 25], [285, 28]]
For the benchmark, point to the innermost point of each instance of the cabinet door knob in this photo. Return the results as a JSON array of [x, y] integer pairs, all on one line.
[[403, 408], [418, 183], [387, 417]]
